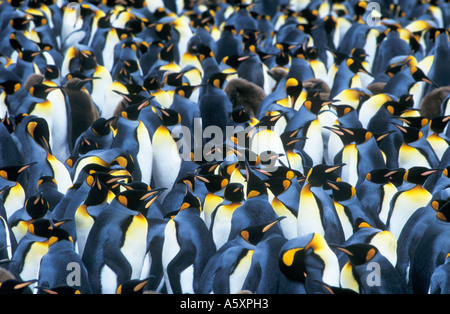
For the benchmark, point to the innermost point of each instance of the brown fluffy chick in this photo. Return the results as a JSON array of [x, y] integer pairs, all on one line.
[[244, 93]]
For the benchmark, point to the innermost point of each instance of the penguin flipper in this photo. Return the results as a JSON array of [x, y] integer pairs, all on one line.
[[118, 263], [178, 264]]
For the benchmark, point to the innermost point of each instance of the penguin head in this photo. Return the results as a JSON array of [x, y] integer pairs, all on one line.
[[218, 79], [439, 123], [63, 290], [168, 117], [357, 66], [359, 253], [410, 134], [290, 138], [12, 173], [255, 233], [293, 88], [418, 175], [124, 161], [98, 193], [43, 227], [234, 61], [234, 192], [341, 191], [132, 286], [381, 176], [186, 91], [319, 174], [13, 286], [51, 72], [240, 115], [190, 200], [41, 90], [315, 105], [36, 206], [278, 185], [415, 121], [255, 184], [443, 213], [38, 129], [293, 255], [213, 182], [137, 199], [102, 126]]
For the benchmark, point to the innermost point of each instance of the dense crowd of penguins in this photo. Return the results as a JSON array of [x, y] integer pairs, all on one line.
[[335, 178]]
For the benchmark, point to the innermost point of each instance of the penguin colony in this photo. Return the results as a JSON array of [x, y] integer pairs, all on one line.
[[339, 182]]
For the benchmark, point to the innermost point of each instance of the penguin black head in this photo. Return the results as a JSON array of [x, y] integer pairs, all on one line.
[[125, 161], [51, 72], [278, 185], [443, 213], [410, 134], [136, 199], [234, 192], [382, 176], [186, 91], [132, 286], [190, 200], [63, 290], [356, 66], [41, 90], [319, 174], [168, 117], [254, 234], [12, 173], [290, 138], [43, 227], [10, 83], [359, 253], [415, 122], [439, 123], [315, 105], [341, 190], [218, 79], [13, 286], [293, 88], [36, 206], [418, 175], [255, 185], [98, 194], [38, 129], [213, 182], [292, 255], [240, 115]]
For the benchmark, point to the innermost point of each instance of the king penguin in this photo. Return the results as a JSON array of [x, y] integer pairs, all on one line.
[[232, 268], [356, 274], [220, 226], [431, 251], [117, 242], [405, 202], [316, 211], [306, 261], [187, 247]]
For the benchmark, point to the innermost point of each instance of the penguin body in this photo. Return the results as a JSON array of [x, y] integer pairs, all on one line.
[[355, 274], [130, 127], [406, 202], [430, 252], [110, 261], [185, 253], [316, 211], [230, 269], [311, 254], [54, 266], [439, 279], [220, 224]]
